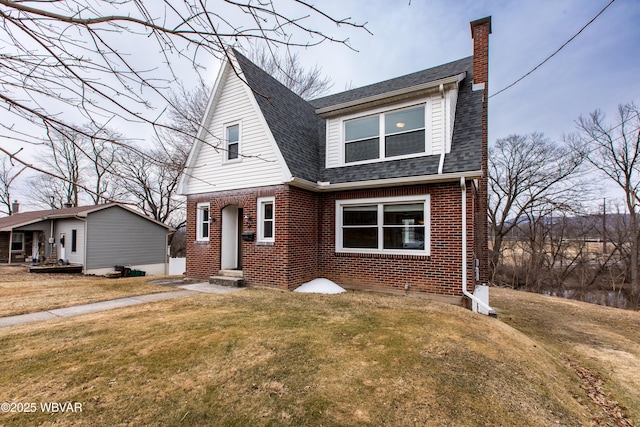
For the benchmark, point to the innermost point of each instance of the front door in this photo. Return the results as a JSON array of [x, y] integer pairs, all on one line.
[[231, 250]]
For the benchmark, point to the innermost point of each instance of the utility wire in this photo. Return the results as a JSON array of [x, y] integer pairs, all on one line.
[[554, 53]]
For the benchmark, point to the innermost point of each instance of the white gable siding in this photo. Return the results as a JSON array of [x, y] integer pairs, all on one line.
[[262, 165], [440, 114], [334, 142], [437, 124]]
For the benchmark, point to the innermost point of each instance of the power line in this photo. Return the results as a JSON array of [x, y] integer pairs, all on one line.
[[554, 53]]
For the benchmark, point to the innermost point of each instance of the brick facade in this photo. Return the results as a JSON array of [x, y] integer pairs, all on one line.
[[304, 246]]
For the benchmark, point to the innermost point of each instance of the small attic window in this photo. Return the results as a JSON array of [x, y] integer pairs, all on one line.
[[232, 142]]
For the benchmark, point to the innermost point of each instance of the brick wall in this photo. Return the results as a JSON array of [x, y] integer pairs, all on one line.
[[439, 273], [304, 246], [287, 263]]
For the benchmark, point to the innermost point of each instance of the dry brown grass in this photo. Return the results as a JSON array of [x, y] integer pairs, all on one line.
[[604, 340], [23, 292], [263, 357]]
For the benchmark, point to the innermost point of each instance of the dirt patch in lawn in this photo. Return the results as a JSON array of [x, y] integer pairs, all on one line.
[[23, 292]]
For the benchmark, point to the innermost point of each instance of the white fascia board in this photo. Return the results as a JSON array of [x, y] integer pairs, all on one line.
[[197, 143], [404, 91], [379, 183]]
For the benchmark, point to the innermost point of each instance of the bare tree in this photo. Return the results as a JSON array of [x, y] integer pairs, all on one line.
[[527, 174], [101, 159], [150, 176], [64, 160], [47, 191], [614, 150], [308, 83], [8, 174], [90, 60], [151, 181]]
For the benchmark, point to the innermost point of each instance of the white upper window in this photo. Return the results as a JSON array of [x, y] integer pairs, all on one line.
[[202, 221], [232, 142], [387, 134], [398, 225], [266, 219]]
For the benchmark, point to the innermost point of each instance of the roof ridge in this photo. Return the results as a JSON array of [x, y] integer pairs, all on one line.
[[386, 81]]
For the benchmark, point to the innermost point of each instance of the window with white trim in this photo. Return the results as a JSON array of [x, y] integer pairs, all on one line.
[[202, 222], [398, 225], [266, 219], [232, 138], [403, 133], [17, 242]]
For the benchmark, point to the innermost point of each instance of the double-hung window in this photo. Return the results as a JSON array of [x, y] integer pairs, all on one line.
[[385, 135], [202, 222], [266, 219], [232, 138], [388, 225], [362, 140], [17, 242]]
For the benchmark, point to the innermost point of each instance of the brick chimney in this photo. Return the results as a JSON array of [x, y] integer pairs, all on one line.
[[15, 207], [480, 30]]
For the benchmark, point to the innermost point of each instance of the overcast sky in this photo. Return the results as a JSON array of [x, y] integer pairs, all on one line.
[[599, 69]]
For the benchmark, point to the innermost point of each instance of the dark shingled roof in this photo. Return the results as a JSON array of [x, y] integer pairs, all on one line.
[[292, 120], [300, 132]]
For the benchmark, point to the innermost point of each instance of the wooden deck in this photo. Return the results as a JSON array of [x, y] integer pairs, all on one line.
[[55, 268]]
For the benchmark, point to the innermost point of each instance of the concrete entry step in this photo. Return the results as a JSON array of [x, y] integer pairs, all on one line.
[[230, 273], [235, 282]]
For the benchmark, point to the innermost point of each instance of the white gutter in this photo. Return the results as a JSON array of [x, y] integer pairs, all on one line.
[[378, 183], [436, 84], [463, 186]]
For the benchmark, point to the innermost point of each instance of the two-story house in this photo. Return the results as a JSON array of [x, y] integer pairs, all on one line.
[[381, 187]]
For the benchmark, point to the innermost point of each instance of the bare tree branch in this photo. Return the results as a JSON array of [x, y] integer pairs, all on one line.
[[84, 61]]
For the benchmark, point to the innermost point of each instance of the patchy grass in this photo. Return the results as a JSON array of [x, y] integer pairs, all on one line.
[[22, 292], [261, 357], [604, 341]]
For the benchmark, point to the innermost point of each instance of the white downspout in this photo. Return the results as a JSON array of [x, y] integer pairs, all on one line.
[[444, 126], [463, 186]]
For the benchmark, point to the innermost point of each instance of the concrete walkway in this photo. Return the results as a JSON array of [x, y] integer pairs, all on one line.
[[77, 310]]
